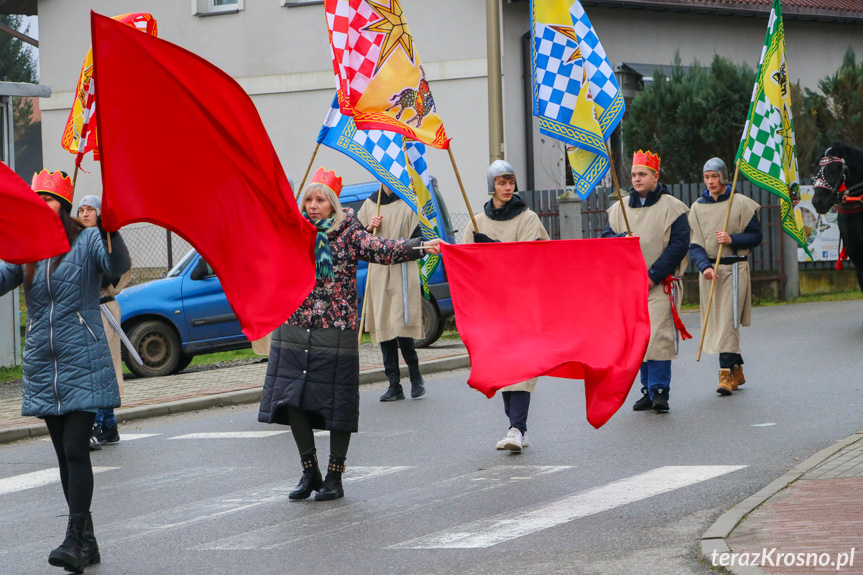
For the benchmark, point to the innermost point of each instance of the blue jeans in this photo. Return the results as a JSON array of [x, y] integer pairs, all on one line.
[[515, 405], [656, 374], [105, 418]]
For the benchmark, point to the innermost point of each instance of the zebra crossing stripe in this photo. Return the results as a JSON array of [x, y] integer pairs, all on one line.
[[231, 435], [511, 525], [37, 479]]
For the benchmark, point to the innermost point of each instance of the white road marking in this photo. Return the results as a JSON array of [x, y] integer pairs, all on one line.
[[511, 525], [184, 516], [134, 436], [37, 479], [369, 515], [762, 425], [230, 435]]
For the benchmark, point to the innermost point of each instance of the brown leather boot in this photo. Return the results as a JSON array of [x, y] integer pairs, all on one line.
[[737, 378], [725, 382]]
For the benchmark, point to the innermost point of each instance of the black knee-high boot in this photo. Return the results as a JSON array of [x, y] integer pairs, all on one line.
[[311, 479], [332, 487]]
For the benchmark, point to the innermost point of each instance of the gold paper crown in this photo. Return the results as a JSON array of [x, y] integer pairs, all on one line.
[[328, 179], [646, 159]]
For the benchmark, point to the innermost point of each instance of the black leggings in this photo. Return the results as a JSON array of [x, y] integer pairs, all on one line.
[[304, 435], [70, 435]]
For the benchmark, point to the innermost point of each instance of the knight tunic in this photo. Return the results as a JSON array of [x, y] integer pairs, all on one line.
[[385, 312], [652, 224], [705, 219]]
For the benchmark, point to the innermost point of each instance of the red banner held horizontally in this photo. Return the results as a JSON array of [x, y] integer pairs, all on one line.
[[201, 165], [575, 309], [29, 230]]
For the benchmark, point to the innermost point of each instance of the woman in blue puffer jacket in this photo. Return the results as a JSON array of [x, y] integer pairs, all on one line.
[[68, 374]]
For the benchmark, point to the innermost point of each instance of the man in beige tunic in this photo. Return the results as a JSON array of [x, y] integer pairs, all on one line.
[[722, 334], [105, 425], [506, 218], [391, 324], [659, 220]]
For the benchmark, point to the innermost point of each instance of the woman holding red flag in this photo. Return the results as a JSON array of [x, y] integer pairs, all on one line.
[[68, 375], [312, 377]]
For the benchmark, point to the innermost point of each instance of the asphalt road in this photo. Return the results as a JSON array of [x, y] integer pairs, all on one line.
[[426, 492]]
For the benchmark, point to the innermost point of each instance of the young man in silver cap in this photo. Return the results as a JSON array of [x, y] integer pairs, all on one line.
[[732, 300], [506, 218], [105, 427]]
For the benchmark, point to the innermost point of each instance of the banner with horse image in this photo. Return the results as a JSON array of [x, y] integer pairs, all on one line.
[[380, 79], [820, 230]]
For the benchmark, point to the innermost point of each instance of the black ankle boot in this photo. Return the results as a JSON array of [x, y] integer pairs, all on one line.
[[89, 546], [394, 393], [332, 487], [311, 479], [70, 553]]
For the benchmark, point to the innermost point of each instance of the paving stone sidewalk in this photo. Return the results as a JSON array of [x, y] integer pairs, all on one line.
[[819, 514], [159, 390]]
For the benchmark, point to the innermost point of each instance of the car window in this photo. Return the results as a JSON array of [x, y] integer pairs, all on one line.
[[447, 223], [355, 206], [181, 265]]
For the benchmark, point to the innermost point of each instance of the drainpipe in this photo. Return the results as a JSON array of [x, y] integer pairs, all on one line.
[[495, 81]]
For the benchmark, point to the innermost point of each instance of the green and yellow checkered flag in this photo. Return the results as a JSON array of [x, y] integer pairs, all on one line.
[[768, 152]]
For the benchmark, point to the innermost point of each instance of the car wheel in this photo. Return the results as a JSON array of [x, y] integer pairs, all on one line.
[[185, 360], [433, 325], [159, 347]]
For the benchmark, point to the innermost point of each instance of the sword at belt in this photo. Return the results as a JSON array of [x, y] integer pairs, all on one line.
[[112, 321], [405, 290], [670, 286], [735, 288]]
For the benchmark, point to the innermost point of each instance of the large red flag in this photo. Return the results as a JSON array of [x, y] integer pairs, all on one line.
[[29, 230], [183, 146], [574, 308]]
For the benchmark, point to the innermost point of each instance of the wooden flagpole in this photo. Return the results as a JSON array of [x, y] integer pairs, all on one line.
[[461, 185], [718, 257], [309, 169], [617, 187], [368, 272]]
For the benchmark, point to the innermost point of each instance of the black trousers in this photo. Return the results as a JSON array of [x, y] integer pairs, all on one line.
[[70, 435], [390, 351], [516, 405], [304, 435], [728, 360]]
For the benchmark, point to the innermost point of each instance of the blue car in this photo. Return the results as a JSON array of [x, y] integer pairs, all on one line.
[[186, 313]]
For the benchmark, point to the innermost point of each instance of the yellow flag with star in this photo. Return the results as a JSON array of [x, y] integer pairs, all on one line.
[[382, 83]]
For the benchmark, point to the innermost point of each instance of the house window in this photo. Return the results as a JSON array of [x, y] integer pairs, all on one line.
[[290, 3], [210, 7]]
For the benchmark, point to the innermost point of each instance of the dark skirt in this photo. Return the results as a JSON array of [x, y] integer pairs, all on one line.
[[316, 370]]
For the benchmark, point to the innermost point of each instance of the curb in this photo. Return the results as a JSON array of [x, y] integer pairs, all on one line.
[[714, 539], [244, 396]]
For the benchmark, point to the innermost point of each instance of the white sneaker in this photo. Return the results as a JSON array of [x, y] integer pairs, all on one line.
[[512, 441], [524, 441]]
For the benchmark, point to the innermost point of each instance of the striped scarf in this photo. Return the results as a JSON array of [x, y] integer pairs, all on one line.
[[323, 255]]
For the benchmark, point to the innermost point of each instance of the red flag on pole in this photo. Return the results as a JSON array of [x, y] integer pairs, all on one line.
[[206, 169], [575, 309], [29, 230]]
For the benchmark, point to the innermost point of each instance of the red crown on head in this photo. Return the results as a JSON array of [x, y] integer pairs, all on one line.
[[55, 184], [328, 179], [646, 159]]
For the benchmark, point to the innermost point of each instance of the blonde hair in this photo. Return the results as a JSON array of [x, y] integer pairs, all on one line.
[[338, 214]]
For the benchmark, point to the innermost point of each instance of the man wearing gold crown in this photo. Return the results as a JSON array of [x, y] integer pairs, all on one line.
[[394, 312], [732, 304], [659, 220]]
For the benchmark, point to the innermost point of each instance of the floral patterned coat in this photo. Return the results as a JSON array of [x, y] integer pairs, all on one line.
[[314, 358]]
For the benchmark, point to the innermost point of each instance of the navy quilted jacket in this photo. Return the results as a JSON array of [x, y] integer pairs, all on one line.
[[67, 365]]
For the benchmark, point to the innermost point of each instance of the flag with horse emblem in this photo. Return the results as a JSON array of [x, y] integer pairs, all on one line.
[[382, 154], [380, 79], [575, 94], [79, 135], [768, 151]]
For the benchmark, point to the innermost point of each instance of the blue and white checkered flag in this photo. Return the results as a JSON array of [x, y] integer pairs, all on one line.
[[576, 96]]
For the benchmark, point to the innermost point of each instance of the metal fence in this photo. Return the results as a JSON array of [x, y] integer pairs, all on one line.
[[766, 260], [153, 250]]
